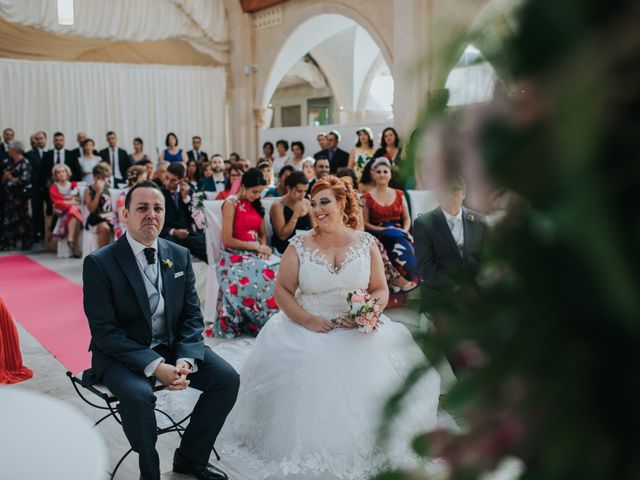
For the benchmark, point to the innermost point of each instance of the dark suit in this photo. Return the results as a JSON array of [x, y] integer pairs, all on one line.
[[37, 192], [439, 259], [123, 163], [339, 159], [48, 161], [203, 157], [118, 309], [179, 217]]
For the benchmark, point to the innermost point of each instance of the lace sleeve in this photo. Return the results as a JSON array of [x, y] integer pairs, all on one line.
[[297, 243], [367, 240]]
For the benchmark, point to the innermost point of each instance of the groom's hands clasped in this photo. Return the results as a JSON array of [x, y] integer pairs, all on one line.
[[173, 377]]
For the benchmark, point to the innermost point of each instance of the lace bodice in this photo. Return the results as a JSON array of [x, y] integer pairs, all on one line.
[[322, 289]]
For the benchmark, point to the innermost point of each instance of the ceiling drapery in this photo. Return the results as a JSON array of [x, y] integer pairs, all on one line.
[[99, 24]]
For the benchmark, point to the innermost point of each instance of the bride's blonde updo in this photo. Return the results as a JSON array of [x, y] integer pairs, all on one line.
[[345, 196]]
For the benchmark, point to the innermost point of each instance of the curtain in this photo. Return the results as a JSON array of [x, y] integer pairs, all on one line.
[[202, 23], [146, 101]]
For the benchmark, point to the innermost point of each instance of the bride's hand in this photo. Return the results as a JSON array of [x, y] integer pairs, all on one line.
[[319, 324]]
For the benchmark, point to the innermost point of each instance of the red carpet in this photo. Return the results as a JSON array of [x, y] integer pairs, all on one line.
[[49, 307]]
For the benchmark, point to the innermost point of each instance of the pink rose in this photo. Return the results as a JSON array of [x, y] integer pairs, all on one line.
[[235, 258], [248, 302], [233, 289], [244, 281], [271, 303]]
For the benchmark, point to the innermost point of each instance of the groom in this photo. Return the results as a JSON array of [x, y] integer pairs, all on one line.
[[146, 327]]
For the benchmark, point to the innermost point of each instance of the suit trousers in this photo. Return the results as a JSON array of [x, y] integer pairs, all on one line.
[[215, 378]]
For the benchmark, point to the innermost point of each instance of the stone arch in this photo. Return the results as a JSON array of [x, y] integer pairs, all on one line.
[[295, 39]]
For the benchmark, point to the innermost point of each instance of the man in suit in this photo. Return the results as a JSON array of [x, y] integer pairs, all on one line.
[[118, 159], [36, 157], [146, 327], [8, 136], [60, 155], [322, 168], [197, 154], [216, 182], [179, 227], [448, 241], [338, 158]]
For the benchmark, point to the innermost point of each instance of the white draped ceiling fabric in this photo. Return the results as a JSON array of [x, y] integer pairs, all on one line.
[[135, 97]]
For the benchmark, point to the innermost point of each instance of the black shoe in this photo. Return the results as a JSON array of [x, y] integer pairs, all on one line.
[[203, 472]]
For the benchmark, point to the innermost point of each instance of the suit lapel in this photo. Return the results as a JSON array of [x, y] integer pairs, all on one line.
[[445, 231], [130, 267], [167, 277]]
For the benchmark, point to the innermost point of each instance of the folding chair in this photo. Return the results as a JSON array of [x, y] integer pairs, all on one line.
[[110, 405]]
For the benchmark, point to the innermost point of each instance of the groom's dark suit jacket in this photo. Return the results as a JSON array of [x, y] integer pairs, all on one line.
[[437, 254], [117, 306]]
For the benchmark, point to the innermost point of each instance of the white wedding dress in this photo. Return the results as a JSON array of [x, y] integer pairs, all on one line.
[[310, 404]]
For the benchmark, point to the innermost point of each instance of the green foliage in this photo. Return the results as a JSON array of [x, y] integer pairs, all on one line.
[[555, 311]]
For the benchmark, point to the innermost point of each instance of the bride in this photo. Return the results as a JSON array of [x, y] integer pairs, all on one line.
[[312, 394]]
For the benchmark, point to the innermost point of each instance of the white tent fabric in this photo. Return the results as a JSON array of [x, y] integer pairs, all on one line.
[[146, 101], [202, 23]]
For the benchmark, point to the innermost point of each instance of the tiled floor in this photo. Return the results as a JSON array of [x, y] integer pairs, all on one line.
[[49, 378]]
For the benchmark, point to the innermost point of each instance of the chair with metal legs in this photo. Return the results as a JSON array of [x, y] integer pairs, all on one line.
[[110, 406]]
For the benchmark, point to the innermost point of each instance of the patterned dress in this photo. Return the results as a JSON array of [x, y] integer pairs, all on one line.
[[397, 243], [246, 299], [17, 220]]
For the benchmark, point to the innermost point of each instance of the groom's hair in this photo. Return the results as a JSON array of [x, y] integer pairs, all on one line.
[[143, 184]]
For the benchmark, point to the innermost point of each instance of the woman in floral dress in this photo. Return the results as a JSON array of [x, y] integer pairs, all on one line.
[[15, 175], [246, 279]]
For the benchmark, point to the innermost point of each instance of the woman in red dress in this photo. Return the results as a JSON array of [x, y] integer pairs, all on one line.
[[66, 203]]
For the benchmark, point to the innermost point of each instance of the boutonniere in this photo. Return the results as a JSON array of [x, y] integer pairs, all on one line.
[[471, 218], [167, 263]]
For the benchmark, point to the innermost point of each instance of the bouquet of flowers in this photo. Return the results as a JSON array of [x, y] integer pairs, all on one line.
[[364, 312]]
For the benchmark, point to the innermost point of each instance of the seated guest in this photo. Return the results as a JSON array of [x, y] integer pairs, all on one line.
[[291, 213], [448, 241], [97, 199], [386, 216], [146, 327], [234, 157], [362, 152], [398, 286], [135, 175], [267, 171], [159, 176], [179, 226], [390, 149], [267, 152], [197, 153], [15, 184], [172, 153], [11, 368], [235, 175], [280, 189], [193, 173], [366, 183], [281, 159], [147, 164], [296, 161], [246, 281], [66, 203], [307, 168], [321, 168], [216, 181]]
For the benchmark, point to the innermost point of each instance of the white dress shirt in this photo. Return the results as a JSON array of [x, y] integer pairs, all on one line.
[[457, 228], [141, 260]]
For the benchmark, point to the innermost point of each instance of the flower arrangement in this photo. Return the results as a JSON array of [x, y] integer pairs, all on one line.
[[197, 210], [363, 314]]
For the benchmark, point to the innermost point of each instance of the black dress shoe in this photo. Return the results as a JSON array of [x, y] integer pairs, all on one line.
[[202, 472]]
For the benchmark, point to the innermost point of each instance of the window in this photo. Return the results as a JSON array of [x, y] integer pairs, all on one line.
[[291, 116], [319, 111]]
